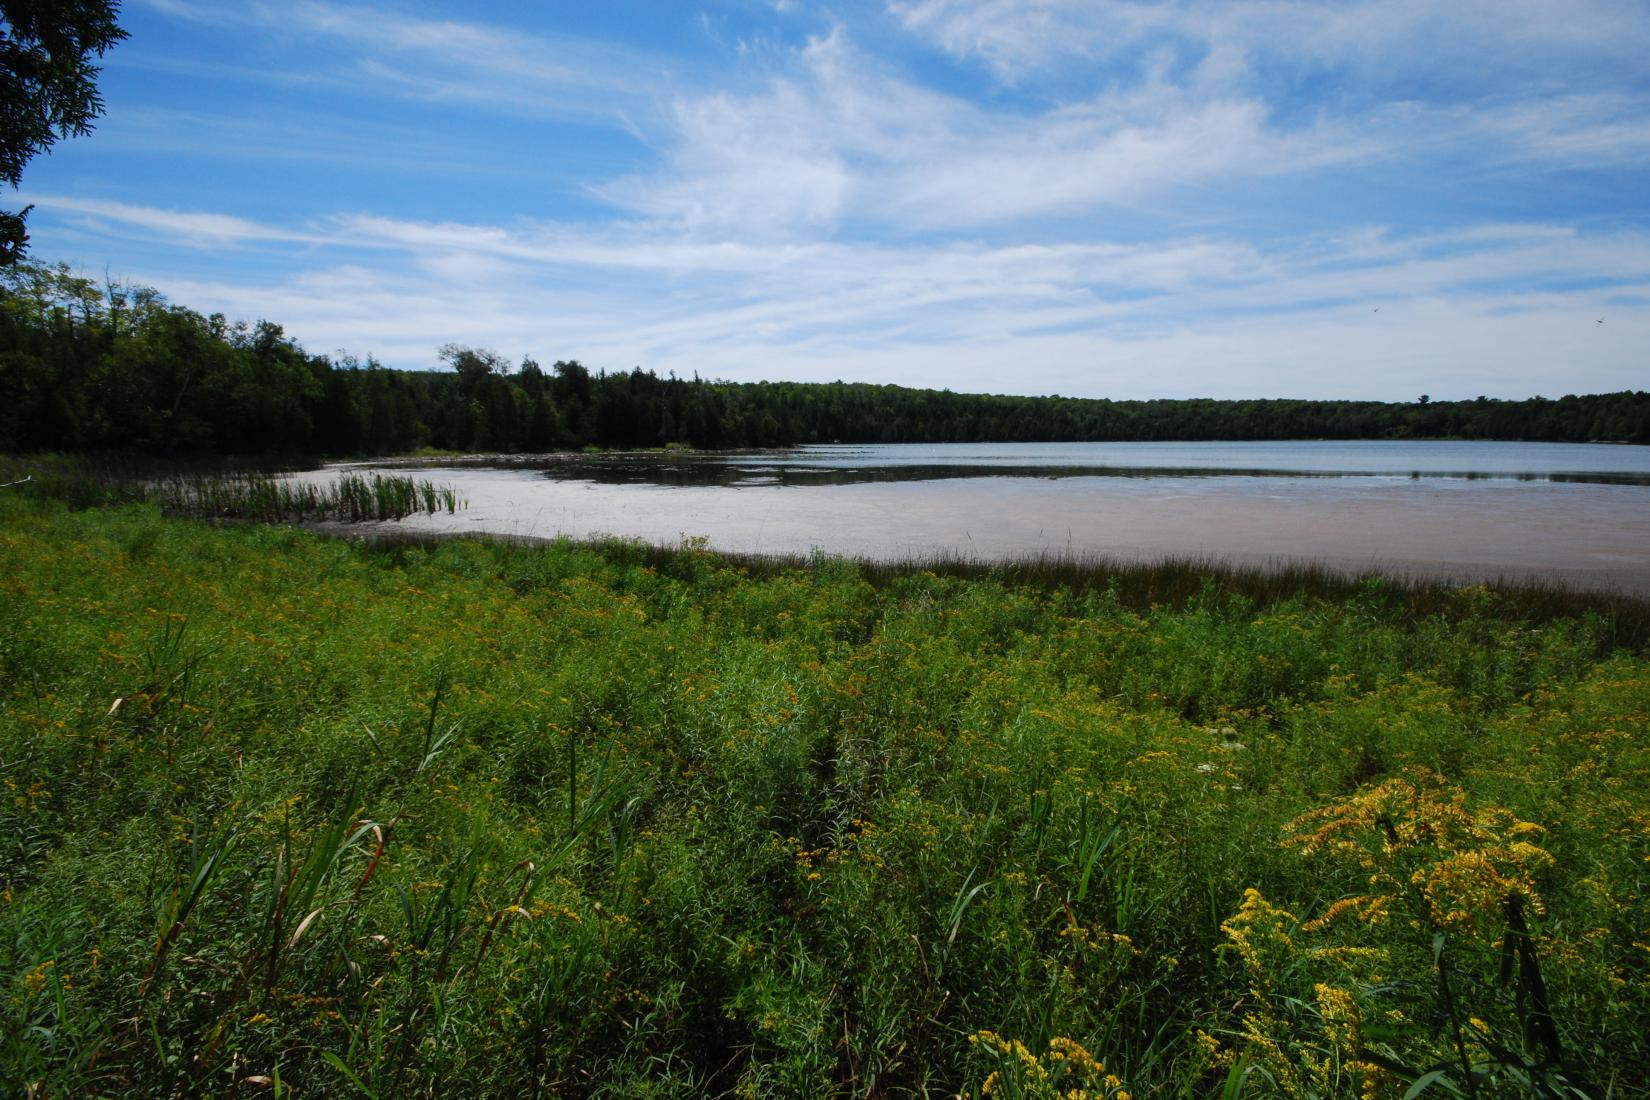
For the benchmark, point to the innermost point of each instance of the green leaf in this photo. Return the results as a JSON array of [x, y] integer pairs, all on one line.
[[338, 1064], [1427, 1080]]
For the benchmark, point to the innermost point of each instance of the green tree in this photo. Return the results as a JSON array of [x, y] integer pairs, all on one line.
[[473, 364], [48, 87]]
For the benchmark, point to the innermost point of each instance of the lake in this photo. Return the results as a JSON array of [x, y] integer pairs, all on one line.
[[1579, 513]]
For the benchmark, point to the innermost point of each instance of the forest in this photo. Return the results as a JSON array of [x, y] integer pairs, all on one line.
[[114, 367]]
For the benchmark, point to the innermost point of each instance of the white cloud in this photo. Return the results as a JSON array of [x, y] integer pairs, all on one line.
[[191, 228], [1524, 80], [495, 67], [840, 140], [498, 69], [1578, 130], [1478, 38], [837, 141], [763, 165], [1085, 225], [190, 10], [1465, 310]]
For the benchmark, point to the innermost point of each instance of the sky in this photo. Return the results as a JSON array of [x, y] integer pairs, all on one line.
[[1126, 199]]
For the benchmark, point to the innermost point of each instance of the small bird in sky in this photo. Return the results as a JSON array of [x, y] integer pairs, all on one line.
[[1377, 309], [1600, 320]]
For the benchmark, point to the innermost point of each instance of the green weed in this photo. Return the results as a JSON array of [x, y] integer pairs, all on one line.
[[284, 814]]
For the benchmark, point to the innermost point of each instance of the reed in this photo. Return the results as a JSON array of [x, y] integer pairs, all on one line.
[[223, 490], [351, 498]]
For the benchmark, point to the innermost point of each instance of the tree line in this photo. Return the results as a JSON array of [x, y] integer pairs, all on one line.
[[85, 366]]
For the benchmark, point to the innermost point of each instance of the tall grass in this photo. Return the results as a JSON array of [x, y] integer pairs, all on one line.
[[218, 492], [289, 814], [1621, 619], [351, 498]]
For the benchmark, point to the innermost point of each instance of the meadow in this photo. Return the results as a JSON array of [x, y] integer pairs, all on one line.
[[290, 815]]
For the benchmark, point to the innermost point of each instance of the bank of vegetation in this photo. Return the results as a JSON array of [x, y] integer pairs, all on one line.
[[288, 815], [225, 490], [90, 367]]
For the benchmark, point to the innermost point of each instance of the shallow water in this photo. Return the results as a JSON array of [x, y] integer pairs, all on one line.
[[1579, 513]]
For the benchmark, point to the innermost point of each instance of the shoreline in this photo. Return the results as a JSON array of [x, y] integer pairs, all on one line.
[[1167, 581]]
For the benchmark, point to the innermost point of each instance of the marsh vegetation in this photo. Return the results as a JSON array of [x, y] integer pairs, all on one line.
[[218, 490], [290, 814]]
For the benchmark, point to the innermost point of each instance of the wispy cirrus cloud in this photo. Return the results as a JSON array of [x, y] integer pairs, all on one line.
[[835, 137], [1509, 299], [188, 228], [393, 53], [1122, 198], [1529, 81], [1468, 42], [840, 140]]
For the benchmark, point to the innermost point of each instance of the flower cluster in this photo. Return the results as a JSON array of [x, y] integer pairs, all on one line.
[[1066, 1071], [1415, 839]]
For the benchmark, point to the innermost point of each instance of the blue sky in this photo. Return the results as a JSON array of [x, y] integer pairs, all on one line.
[[1129, 199]]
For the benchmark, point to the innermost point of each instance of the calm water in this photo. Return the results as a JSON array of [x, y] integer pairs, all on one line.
[[1576, 512]]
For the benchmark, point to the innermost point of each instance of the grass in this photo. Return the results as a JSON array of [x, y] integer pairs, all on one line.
[[350, 498], [1618, 619], [284, 814], [214, 492]]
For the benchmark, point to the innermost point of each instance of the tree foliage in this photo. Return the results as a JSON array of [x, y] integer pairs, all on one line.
[[48, 85], [119, 367]]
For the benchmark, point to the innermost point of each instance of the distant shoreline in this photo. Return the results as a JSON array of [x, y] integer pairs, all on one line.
[[1455, 513]]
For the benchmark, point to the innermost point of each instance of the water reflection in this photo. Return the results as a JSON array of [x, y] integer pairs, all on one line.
[[1576, 513], [737, 473], [796, 469]]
